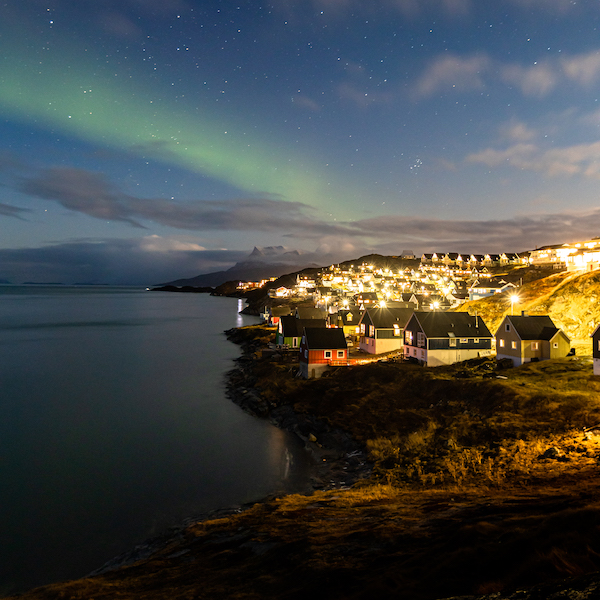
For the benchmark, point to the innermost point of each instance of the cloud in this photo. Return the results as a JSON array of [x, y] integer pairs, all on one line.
[[92, 194], [467, 73], [537, 80], [583, 69], [509, 235], [454, 72], [119, 262], [516, 131], [306, 102], [407, 8], [580, 159], [7, 210], [553, 6]]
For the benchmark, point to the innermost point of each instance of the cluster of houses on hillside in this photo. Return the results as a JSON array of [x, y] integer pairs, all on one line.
[[360, 311], [324, 340]]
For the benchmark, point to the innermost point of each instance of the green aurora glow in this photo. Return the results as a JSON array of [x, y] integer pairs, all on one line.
[[67, 93]]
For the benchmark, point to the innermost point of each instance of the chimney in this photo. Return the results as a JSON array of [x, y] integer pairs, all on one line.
[[523, 313]]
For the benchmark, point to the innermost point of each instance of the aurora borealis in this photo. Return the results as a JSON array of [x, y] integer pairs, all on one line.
[[179, 134]]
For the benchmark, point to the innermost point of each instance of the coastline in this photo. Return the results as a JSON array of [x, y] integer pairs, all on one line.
[[339, 461]]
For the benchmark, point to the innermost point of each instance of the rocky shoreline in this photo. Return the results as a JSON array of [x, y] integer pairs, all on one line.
[[339, 461]]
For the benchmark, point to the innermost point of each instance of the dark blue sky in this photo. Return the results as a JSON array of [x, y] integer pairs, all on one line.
[[150, 139]]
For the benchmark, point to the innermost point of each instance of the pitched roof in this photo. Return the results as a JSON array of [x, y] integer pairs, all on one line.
[[533, 327], [439, 324], [325, 339], [386, 318], [343, 317], [293, 327], [308, 312]]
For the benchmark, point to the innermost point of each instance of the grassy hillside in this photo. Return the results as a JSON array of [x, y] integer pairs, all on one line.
[[571, 300]]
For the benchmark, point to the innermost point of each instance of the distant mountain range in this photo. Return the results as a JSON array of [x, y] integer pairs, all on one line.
[[261, 263]]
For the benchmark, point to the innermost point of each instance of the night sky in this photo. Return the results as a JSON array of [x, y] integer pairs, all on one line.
[[147, 140]]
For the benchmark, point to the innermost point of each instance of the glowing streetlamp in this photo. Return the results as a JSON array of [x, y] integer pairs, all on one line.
[[513, 300]]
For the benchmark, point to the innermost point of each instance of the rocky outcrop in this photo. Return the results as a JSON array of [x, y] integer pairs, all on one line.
[[339, 461]]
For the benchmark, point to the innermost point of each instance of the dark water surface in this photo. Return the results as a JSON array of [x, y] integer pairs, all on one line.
[[114, 425]]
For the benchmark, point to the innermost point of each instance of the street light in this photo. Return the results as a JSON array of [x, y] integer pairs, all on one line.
[[513, 299]]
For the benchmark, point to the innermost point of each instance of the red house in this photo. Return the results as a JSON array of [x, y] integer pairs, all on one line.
[[321, 349]]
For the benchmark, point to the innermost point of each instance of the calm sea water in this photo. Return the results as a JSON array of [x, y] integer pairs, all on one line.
[[114, 425]]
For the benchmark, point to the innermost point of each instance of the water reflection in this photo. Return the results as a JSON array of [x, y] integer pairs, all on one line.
[[111, 433], [240, 317]]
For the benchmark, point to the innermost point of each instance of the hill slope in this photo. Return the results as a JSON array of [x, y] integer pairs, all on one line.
[[571, 300]]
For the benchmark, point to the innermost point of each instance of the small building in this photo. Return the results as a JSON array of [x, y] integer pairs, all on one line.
[[526, 338], [310, 312], [274, 313], [483, 289], [290, 330], [596, 350], [321, 349], [347, 319], [442, 338], [381, 329]]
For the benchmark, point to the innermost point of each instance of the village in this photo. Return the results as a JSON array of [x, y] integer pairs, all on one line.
[[352, 314]]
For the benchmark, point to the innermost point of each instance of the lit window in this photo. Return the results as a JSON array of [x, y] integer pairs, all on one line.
[[371, 331], [535, 345], [501, 343], [408, 338], [513, 345], [452, 342]]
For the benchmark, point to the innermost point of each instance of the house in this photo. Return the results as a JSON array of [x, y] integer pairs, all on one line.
[[596, 350], [310, 312], [491, 260], [290, 330], [274, 313], [367, 299], [381, 329], [348, 320], [483, 289], [443, 338], [526, 338], [321, 349]]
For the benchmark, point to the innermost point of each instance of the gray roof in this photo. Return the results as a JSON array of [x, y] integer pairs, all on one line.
[[533, 327], [439, 324], [308, 312], [293, 327], [325, 339], [386, 318]]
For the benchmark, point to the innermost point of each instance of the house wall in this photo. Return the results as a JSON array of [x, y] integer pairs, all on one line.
[[597, 366], [507, 351], [596, 344], [563, 346], [387, 344], [316, 364], [367, 344], [436, 358]]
